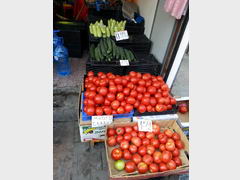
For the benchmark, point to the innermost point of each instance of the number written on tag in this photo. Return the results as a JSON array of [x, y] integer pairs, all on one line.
[[99, 121], [121, 35], [124, 63], [145, 125]]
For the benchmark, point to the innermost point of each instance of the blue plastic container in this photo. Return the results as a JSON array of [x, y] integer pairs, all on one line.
[[85, 117]]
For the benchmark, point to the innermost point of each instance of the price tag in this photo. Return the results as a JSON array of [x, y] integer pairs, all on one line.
[[99, 121], [121, 35], [145, 125], [124, 63]]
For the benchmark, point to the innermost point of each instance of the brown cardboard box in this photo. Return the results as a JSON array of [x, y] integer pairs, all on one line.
[[164, 124]]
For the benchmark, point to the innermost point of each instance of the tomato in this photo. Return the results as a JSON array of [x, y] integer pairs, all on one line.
[[136, 158], [99, 99], [156, 84], [170, 146], [169, 107], [112, 89], [173, 101], [118, 80], [127, 136], [159, 108], [107, 102], [91, 94], [128, 108], [152, 89], [183, 109], [178, 161], [155, 129], [142, 150], [155, 142], [139, 75], [164, 87], [133, 93], [130, 166], [149, 108], [120, 96], [127, 155], [145, 101], [111, 83], [134, 80], [100, 74], [136, 141], [134, 133], [99, 111], [93, 88], [142, 108], [146, 76], [171, 165], [157, 95], [120, 130], [110, 132], [153, 168], [103, 82], [130, 100], [157, 156], [115, 104], [139, 96], [162, 147], [119, 88], [90, 110], [166, 156], [176, 152], [179, 144], [116, 153], [149, 135], [152, 101], [142, 167], [145, 141], [141, 134], [147, 159], [119, 165], [114, 111], [163, 139], [161, 101], [163, 167], [132, 74], [111, 141], [176, 136], [148, 83], [167, 100], [119, 138], [120, 110], [124, 144], [150, 149], [136, 104], [133, 148], [130, 85], [110, 97], [141, 82], [90, 73], [170, 140], [107, 110], [135, 127], [168, 133], [140, 89], [126, 91], [165, 94]]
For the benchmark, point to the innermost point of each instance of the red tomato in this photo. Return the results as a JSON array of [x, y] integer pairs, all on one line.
[[153, 168], [149, 135], [141, 82], [126, 91], [100, 74], [164, 87], [115, 104], [99, 111], [107, 110], [163, 140], [158, 95], [145, 141], [120, 130], [136, 104], [148, 83], [179, 144], [145, 101], [134, 80], [176, 136], [166, 156], [135, 127], [170, 146], [128, 108], [130, 100], [111, 83], [171, 165], [136, 158], [153, 101], [111, 141], [130, 166], [130, 85], [128, 129], [139, 96], [114, 111], [159, 108], [170, 140], [176, 152], [107, 102], [142, 150], [161, 101], [110, 132], [103, 82], [119, 138], [183, 109], [173, 101], [116, 154], [110, 97], [155, 142], [167, 101], [136, 141], [118, 80], [141, 134], [92, 88], [90, 110], [120, 110], [127, 136], [152, 89], [156, 84], [133, 93], [147, 159], [142, 108], [120, 96], [168, 133], [163, 167], [146, 76], [90, 73], [169, 107], [165, 93], [142, 167], [119, 87], [112, 89], [133, 148], [150, 149], [132, 74], [124, 82], [178, 161], [139, 75], [124, 144], [134, 133], [157, 157], [162, 147], [155, 129], [127, 155], [140, 89], [91, 94]]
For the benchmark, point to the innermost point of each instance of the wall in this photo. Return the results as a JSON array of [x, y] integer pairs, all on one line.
[[147, 10], [161, 33]]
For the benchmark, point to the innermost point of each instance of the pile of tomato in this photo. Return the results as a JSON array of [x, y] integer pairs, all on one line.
[[114, 94], [155, 151]]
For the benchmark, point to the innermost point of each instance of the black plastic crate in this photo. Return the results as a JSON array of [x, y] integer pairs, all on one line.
[[74, 50], [172, 111], [106, 68]]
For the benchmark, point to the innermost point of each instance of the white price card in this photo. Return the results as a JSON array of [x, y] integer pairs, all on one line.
[[124, 63], [121, 35], [145, 125], [99, 121]]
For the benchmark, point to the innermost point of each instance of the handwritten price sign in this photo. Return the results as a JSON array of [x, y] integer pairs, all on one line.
[[121, 35], [124, 63], [145, 125], [99, 121]]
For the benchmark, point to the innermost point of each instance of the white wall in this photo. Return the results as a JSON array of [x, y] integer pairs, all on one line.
[[147, 10]]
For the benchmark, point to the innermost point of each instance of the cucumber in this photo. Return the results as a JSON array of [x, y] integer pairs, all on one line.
[[108, 32], [127, 55], [99, 32], [109, 45], [100, 53], [122, 56], [103, 50], [117, 53], [92, 54], [96, 54], [131, 55]]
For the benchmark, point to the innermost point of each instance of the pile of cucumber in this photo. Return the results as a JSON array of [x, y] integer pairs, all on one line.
[[107, 50], [98, 29]]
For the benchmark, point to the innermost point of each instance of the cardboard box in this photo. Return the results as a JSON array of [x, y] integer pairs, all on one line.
[[164, 124], [88, 133]]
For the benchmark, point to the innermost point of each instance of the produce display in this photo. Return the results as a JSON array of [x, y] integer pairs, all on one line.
[[107, 50], [155, 151], [108, 94], [98, 29]]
